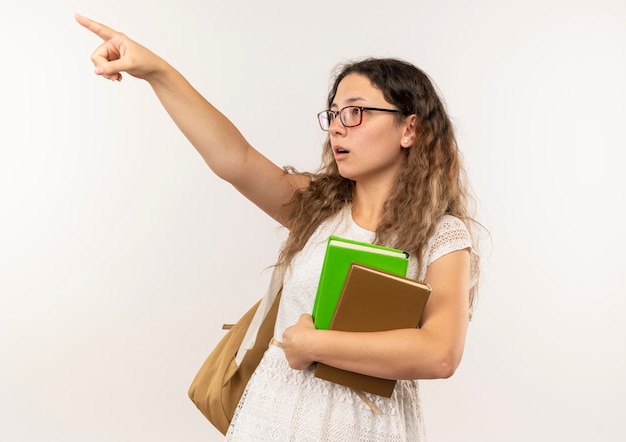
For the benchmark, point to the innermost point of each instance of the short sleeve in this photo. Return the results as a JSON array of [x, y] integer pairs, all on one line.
[[451, 234]]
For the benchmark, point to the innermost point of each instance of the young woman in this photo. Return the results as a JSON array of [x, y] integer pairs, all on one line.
[[391, 175]]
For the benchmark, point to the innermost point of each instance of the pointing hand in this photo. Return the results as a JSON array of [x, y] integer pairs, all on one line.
[[120, 54]]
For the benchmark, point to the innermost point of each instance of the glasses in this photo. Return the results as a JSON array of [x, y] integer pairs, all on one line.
[[349, 116]]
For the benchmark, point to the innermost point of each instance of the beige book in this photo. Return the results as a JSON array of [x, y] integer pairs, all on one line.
[[373, 300]]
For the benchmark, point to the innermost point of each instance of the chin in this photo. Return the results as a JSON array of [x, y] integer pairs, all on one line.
[[347, 175]]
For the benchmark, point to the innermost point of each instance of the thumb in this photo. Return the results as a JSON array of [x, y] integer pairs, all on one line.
[[110, 71], [306, 318]]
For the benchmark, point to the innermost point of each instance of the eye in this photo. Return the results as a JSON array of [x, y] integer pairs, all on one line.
[[355, 111]]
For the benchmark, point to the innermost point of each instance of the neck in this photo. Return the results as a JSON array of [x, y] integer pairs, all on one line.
[[367, 206]]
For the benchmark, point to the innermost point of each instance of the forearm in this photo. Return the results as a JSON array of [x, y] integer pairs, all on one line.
[[394, 354], [218, 141]]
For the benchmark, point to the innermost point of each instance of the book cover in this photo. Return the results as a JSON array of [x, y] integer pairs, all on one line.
[[340, 254], [374, 300]]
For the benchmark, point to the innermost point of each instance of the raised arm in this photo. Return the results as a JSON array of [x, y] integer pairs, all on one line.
[[218, 141]]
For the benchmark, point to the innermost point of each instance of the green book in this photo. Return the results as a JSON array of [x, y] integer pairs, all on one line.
[[340, 254]]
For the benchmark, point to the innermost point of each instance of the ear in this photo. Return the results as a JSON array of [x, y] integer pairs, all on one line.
[[409, 131]]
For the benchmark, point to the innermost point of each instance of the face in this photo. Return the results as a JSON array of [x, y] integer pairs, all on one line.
[[373, 150]]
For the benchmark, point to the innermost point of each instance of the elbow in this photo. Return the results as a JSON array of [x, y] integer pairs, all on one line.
[[440, 366], [445, 369], [434, 359], [445, 365]]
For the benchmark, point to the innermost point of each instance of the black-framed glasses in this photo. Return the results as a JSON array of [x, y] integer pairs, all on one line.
[[349, 116]]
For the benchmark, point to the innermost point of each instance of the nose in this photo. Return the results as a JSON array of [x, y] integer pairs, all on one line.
[[336, 126]]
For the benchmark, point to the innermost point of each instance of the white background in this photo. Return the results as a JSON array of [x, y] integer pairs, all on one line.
[[121, 254]]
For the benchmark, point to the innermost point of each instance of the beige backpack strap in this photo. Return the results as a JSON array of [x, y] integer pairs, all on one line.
[[249, 339]]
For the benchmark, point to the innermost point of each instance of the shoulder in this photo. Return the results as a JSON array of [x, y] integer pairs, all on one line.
[[451, 234]]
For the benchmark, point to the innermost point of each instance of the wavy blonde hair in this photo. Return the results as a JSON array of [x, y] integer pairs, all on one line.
[[431, 183]]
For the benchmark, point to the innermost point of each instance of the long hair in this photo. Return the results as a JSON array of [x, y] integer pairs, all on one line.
[[430, 184]]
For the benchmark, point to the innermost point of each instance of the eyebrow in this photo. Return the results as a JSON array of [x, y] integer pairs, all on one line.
[[349, 101]]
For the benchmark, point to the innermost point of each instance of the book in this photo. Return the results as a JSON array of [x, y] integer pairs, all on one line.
[[373, 300], [339, 256]]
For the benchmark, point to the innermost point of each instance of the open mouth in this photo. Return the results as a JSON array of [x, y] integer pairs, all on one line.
[[340, 150]]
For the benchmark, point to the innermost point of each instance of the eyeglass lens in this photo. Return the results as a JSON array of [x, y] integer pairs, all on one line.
[[350, 116]]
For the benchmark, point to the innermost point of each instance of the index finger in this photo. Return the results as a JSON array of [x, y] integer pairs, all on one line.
[[102, 31]]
